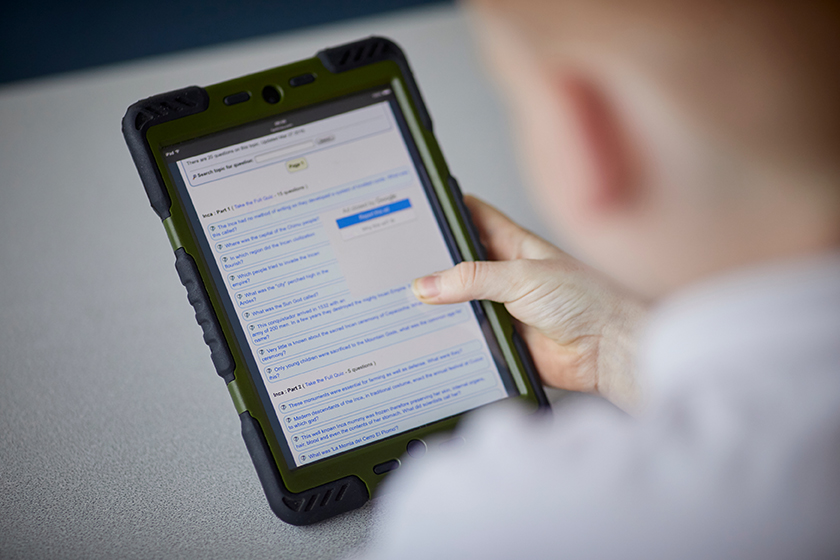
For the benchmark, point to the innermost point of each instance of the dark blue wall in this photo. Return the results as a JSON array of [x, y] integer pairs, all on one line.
[[50, 36]]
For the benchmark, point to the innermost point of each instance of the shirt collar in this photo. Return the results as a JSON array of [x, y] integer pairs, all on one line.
[[749, 316]]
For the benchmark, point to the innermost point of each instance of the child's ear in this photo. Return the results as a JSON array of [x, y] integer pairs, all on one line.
[[607, 178]]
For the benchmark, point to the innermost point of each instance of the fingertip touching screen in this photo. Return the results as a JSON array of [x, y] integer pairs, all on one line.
[[314, 225]]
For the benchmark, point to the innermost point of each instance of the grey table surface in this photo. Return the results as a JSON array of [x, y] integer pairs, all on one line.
[[117, 439]]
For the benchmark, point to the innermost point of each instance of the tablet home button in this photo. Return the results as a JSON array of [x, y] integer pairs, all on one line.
[[416, 448], [387, 466]]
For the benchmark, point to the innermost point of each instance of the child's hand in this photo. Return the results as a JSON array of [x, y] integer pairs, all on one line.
[[581, 331]]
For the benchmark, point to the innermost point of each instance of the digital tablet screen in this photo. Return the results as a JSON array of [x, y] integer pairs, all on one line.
[[316, 223]]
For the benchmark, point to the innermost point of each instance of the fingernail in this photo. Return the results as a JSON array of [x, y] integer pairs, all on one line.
[[426, 287]]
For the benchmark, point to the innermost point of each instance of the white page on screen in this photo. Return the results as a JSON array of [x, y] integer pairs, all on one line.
[[317, 231]]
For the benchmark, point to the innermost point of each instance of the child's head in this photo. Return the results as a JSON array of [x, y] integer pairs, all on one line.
[[673, 139]]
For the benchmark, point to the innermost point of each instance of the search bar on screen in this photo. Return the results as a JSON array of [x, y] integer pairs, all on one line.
[[274, 154]]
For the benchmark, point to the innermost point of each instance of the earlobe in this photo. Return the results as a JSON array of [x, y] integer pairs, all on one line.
[[608, 177]]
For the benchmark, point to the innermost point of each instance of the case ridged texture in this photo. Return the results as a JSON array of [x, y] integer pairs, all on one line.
[[146, 113], [304, 508], [369, 51], [204, 315]]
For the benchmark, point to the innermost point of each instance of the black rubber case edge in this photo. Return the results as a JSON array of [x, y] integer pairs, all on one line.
[[369, 51], [143, 115]]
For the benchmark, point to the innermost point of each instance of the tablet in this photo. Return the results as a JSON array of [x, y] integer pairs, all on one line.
[[300, 203]]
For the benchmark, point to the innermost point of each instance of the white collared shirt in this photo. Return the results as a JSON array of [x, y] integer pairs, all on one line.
[[736, 456]]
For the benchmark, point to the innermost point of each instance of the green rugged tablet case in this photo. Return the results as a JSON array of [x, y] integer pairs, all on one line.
[[301, 496]]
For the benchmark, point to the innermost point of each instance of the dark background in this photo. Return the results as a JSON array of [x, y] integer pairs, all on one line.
[[51, 36]]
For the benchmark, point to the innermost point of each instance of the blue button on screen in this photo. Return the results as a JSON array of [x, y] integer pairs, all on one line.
[[373, 213]]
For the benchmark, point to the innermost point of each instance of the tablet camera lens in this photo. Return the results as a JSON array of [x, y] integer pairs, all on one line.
[[271, 94]]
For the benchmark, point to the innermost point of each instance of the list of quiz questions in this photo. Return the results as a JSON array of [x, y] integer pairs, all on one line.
[[343, 365]]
